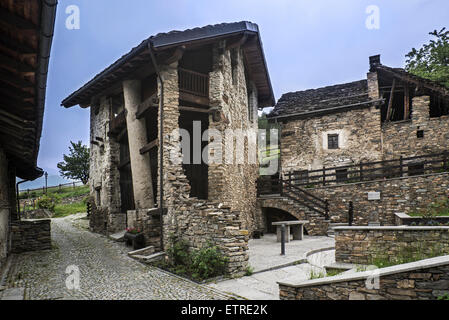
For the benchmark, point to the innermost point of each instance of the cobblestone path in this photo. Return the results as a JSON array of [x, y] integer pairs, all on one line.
[[106, 272]]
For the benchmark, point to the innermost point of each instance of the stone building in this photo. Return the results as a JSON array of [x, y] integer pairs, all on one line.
[[178, 85], [26, 35], [390, 114], [369, 149]]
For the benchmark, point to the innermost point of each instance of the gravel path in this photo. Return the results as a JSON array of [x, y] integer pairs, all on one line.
[[106, 272]]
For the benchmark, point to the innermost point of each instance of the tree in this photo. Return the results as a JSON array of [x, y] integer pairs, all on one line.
[[76, 164], [432, 60]]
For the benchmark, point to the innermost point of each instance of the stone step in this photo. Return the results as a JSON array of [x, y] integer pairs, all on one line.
[[142, 252], [150, 258], [119, 236]]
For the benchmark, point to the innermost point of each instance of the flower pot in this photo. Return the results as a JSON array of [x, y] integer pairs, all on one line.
[[137, 240]]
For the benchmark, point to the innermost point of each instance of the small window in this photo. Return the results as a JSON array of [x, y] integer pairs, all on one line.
[[341, 175], [420, 134], [332, 141]]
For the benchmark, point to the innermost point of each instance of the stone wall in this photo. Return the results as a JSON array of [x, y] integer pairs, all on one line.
[[422, 280], [362, 137], [397, 195], [400, 138], [4, 207], [223, 219], [104, 177], [317, 225], [363, 245], [233, 184], [31, 235], [304, 141]]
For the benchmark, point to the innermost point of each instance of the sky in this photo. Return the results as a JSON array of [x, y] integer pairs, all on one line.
[[307, 44]]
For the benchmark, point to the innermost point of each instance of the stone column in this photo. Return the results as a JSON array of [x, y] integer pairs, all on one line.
[[137, 137]]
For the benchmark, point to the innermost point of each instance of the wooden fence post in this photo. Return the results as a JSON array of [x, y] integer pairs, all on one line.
[[401, 164], [361, 171], [350, 213], [324, 175], [326, 209]]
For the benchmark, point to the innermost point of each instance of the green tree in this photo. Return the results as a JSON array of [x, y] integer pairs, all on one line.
[[76, 164], [432, 60]]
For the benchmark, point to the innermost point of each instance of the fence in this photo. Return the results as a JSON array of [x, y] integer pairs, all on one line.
[[367, 171], [44, 189]]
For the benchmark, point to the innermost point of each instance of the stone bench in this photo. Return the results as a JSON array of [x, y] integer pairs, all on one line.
[[296, 227]]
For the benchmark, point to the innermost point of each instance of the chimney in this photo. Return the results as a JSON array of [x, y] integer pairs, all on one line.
[[373, 62]]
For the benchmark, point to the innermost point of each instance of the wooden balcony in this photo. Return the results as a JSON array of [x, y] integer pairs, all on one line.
[[118, 124], [193, 87]]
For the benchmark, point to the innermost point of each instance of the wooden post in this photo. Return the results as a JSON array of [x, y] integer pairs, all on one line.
[[406, 101], [350, 213], [324, 175], [361, 171], [401, 164], [59, 186], [390, 102], [326, 209], [73, 185]]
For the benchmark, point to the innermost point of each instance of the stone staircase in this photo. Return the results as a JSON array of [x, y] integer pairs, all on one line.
[[317, 226]]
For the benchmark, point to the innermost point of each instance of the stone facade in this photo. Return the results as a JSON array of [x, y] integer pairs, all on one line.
[[104, 176], [317, 225], [362, 245], [401, 139], [424, 280], [396, 195], [304, 142], [4, 207], [31, 235], [362, 137]]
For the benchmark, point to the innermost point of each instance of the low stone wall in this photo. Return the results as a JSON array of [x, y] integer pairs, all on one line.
[[402, 219], [396, 195], [364, 244], [31, 235], [422, 280]]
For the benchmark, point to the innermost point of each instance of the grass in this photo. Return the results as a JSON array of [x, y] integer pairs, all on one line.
[[64, 210], [65, 192]]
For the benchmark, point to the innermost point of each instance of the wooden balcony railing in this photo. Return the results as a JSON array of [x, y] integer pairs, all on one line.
[[193, 82]]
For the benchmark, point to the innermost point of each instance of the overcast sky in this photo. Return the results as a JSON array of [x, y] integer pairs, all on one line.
[[308, 44]]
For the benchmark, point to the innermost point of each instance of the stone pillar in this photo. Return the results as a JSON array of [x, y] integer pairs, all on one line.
[[373, 86], [137, 137]]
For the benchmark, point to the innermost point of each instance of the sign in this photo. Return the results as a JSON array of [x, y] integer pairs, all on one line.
[[373, 195]]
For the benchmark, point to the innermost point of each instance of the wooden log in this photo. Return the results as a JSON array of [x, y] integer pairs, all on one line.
[[151, 102], [149, 146], [390, 102], [406, 102]]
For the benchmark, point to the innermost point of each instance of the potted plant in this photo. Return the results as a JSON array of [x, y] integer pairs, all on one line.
[[135, 237]]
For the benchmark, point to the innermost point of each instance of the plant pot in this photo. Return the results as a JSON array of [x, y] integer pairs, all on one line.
[[137, 240]]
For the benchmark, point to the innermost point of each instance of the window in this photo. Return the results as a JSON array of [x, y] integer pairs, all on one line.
[[420, 134], [415, 169], [332, 141]]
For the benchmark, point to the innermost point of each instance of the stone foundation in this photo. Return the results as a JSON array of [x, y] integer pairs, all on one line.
[[422, 280], [396, 195], [31, 235], [362, 245]]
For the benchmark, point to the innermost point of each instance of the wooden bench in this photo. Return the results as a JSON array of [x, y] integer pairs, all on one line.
[[296, 226]]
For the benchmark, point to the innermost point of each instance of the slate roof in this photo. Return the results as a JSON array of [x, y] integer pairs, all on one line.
[[163, 41], [321, 99]]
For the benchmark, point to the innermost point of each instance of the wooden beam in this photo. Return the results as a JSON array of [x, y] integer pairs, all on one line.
[[149, 146], [193, 98], [15, 65], [16, 21], [13, 92], [406, 101], [238, 43], [151, 102], [194, 109], [177, 55], [390, 102], [14, 80], [14, 45]]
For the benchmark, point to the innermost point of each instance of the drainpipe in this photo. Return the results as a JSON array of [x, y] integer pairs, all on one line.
[[17, 196], [161, 142]]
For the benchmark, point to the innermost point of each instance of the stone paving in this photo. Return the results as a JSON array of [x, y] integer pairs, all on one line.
[[264, 255], [106, 272]]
